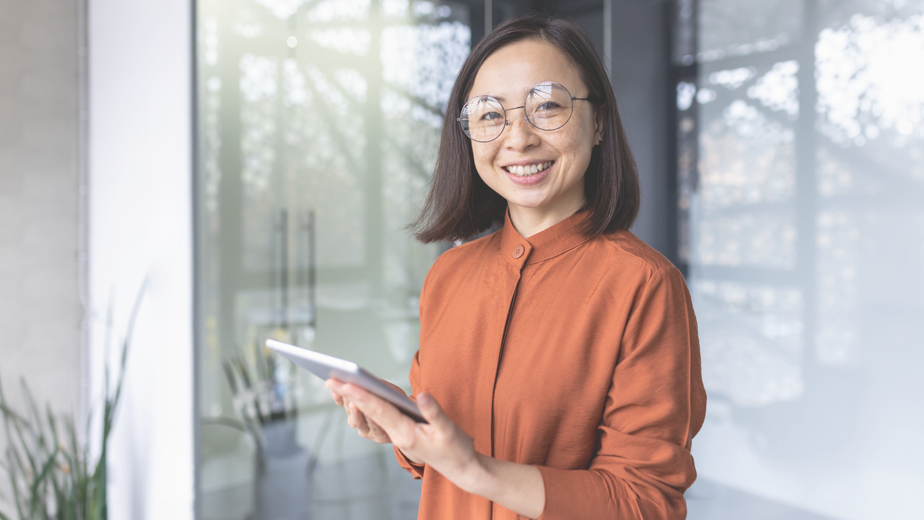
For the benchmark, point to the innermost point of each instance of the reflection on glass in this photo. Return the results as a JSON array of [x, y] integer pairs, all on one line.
[[805, 244], [743, 213], [318, 125], [726, 28], [868, 94], [752, 337]]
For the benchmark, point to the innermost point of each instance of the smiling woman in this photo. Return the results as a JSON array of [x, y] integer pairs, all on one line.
[[511, 60], [559, 366], [542, 198]]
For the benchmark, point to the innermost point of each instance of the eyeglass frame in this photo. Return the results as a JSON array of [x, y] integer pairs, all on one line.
[[525, 115]]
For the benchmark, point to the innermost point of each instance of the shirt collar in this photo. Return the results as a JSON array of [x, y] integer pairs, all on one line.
[[545, 244]]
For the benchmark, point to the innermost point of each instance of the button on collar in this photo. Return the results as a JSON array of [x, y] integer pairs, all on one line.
[[518, 251]]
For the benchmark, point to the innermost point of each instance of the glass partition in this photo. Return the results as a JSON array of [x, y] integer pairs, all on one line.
[[805, 244], [318, 127]]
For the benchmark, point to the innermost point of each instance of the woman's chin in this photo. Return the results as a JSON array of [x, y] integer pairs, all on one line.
[[538, 203], [531, 205]]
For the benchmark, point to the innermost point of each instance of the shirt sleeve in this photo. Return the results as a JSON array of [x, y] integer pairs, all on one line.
[[416, 470], [655, 405]]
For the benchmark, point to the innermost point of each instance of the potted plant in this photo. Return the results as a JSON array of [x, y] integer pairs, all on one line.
[[48, 468]]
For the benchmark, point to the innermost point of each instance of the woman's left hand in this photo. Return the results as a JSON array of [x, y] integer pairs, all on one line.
[[443, 446], [440, 444]]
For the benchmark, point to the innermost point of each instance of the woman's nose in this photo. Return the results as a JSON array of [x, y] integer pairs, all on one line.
[[520, 133]]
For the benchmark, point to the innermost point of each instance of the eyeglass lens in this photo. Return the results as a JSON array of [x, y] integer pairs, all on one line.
[[548, 107]]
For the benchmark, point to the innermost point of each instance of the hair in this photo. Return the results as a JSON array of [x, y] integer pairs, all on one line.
[[460, 205]]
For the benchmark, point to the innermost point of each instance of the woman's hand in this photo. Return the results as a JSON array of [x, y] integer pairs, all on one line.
[[355, 418], [443, 446], [441, 443]]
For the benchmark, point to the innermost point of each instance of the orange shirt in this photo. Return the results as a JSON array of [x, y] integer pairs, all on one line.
[[579, 356]]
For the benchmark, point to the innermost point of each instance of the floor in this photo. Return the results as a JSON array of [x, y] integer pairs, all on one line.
[[376, 488], [708, 500], [369, 485], [369, 488]]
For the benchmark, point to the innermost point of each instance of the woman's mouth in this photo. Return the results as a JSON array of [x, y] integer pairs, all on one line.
[[529, 169]]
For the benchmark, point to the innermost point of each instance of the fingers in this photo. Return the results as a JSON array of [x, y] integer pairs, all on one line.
[[441, 443], [378, 411], [432, 411], [365, 411], [334, 386], [365, 427], [357, 420], [377, 434]]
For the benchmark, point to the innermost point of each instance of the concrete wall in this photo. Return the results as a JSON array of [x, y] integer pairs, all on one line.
[[40, 313], [138, 225]]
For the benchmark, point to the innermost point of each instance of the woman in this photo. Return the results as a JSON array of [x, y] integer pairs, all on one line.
[[559, 363]]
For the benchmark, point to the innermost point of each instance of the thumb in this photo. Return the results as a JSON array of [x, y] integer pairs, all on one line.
[[431, 410]]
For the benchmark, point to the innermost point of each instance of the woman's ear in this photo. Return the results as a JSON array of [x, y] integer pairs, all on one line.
[[598, 124]]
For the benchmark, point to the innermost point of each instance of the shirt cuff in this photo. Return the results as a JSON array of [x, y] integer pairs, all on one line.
[[416, 470], [588, 494]]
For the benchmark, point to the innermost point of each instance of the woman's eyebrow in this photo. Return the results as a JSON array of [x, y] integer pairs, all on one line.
[[498, 97], [502, 99], [495, 96]]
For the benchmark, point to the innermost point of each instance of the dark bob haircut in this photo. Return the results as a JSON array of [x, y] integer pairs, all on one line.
[[460, 205]]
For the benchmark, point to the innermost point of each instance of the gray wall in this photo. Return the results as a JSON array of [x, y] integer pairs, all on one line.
[[39, 309], [641, 78]]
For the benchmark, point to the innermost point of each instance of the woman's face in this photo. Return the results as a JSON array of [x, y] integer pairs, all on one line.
[[553, 194]]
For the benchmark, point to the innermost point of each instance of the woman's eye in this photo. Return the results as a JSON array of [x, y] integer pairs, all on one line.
[[548, 105], [491, 116]]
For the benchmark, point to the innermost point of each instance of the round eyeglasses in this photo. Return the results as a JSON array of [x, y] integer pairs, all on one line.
[[548, 107]]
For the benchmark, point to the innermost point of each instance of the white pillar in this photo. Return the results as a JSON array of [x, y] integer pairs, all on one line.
[[140, 225]]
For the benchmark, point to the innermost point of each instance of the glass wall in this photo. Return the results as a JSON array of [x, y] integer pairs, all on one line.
[[318, 124], [801, 161]]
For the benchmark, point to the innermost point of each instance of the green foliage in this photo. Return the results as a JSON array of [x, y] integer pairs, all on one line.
[[49, 470]]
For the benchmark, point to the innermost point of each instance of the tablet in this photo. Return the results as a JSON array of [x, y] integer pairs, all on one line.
[[327, 367]]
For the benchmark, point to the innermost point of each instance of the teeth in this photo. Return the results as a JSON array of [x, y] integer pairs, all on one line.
[[523, 171]]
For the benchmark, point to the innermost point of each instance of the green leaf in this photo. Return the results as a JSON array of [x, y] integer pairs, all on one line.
[[97, 503], [59, 490], [60, 451], [30, 402], [69, 507], [52, 426], [125, 347], [39, 444], [13, 457], [39, 481], [79, 478], [12, 417], [35, 418], [98, 487], [25, 449]]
